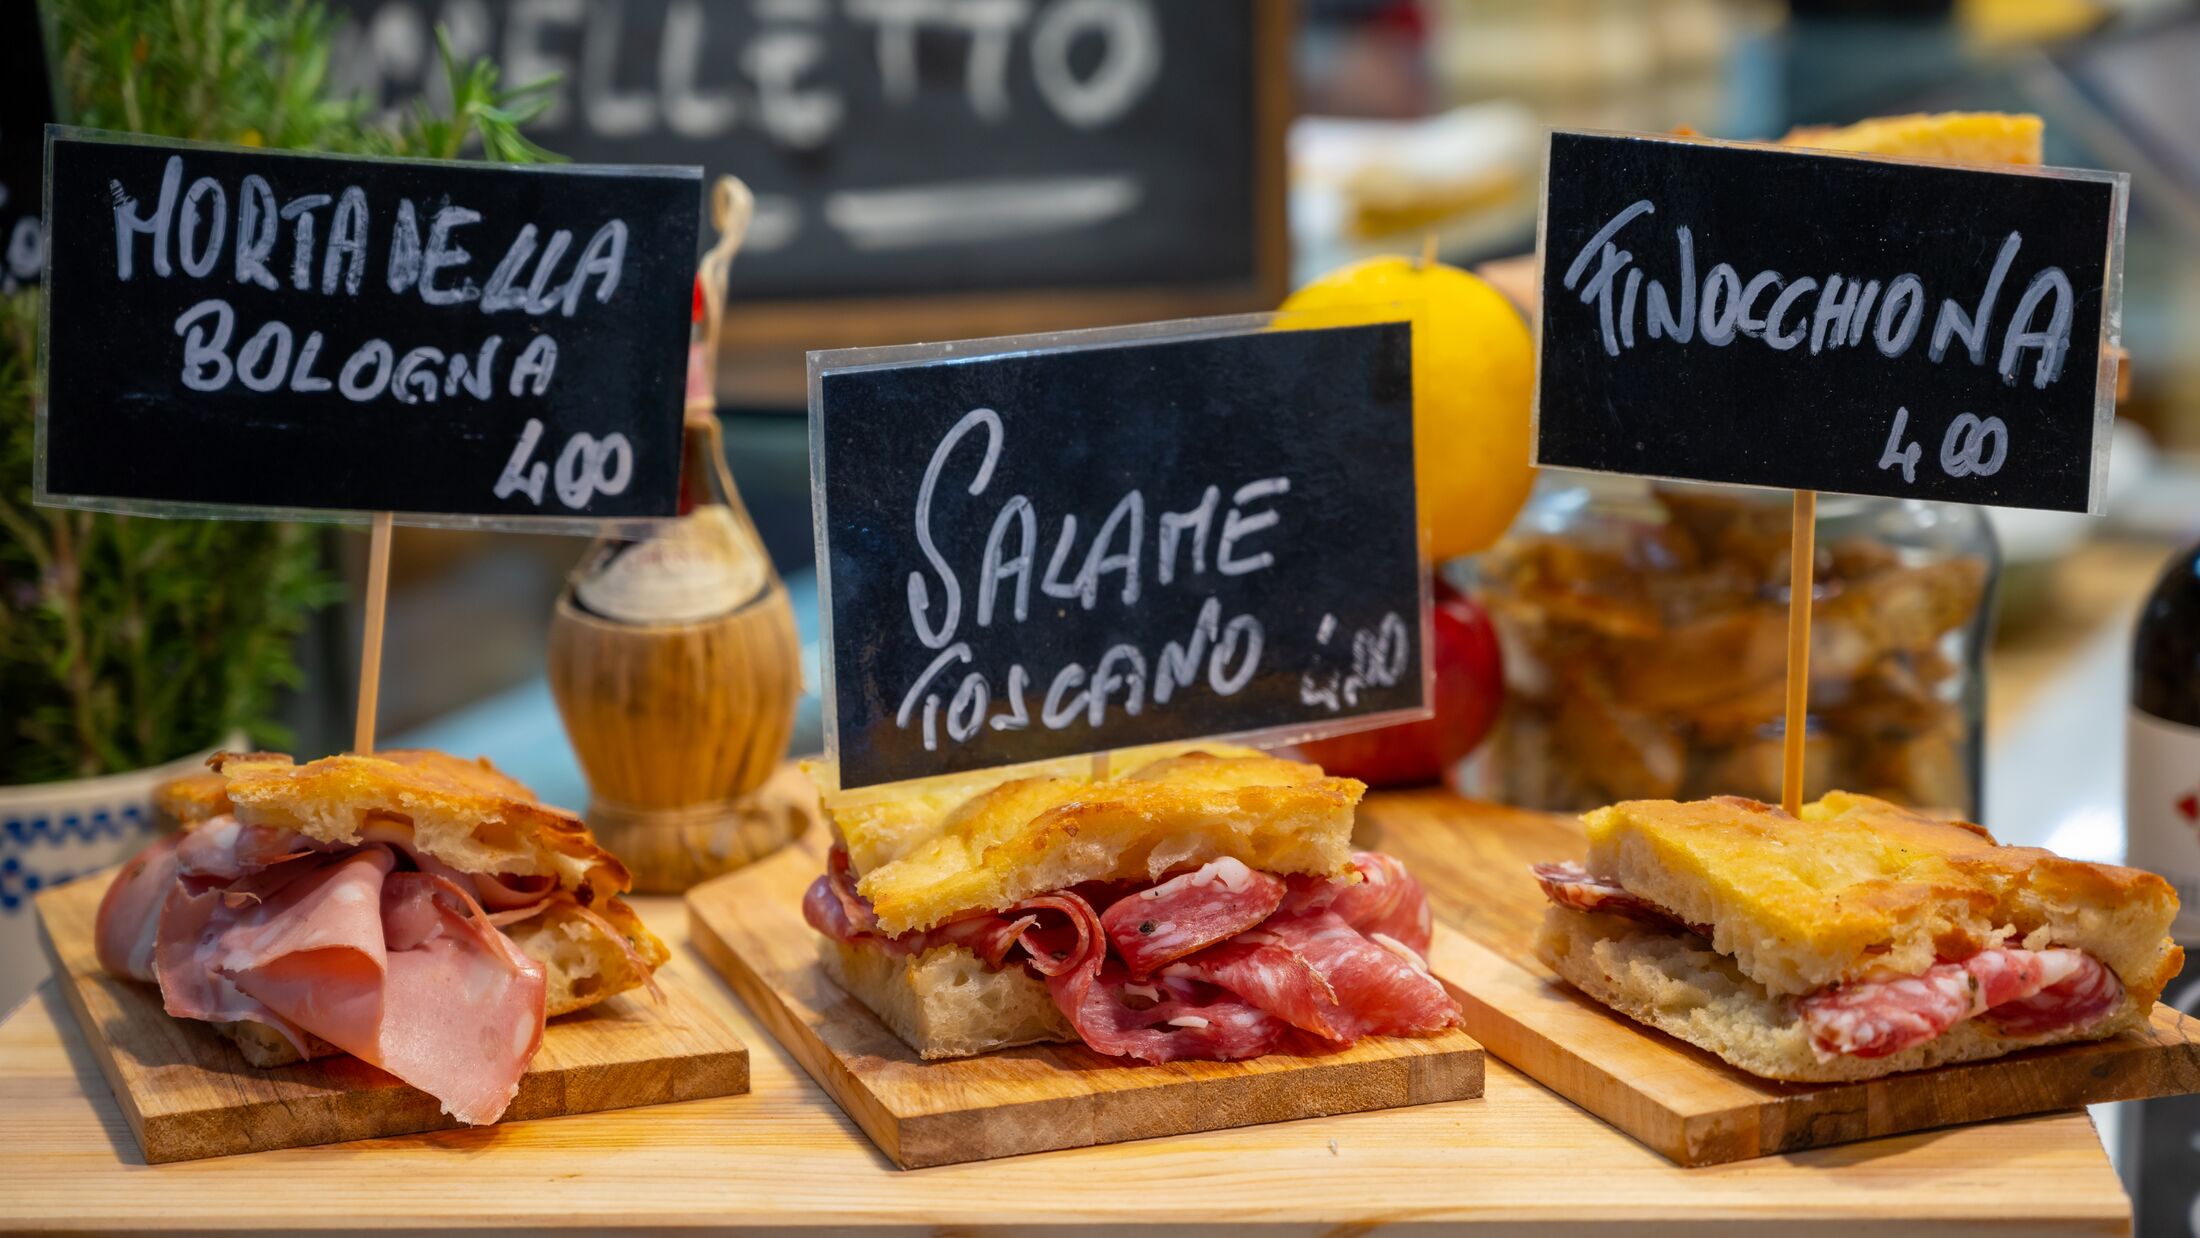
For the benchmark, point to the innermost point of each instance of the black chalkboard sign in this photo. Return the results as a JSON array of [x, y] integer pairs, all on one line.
[[250, 329], [1034, 550], [905, 155], [26, 108], [1781, 318]]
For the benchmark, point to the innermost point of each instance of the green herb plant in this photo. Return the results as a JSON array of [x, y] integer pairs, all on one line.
[[127, 642]]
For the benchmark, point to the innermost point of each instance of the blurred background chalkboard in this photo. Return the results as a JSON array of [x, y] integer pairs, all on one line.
[[922, 170]]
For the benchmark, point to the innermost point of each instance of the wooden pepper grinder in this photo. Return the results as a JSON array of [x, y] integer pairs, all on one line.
[[674, 658]]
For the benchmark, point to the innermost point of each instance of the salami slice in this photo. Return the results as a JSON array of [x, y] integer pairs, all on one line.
[[2028, 992], [1057, 931], [1383, 898], [1318, 973], [1572, 886], [1163, 923], [1261, 967], [989, 937], [2079, 990], [1382, 985], [1226, 970], [832, 906], [1162, 1020]]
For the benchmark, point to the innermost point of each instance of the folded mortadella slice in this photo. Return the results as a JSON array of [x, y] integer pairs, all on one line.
[[128, 926], [380, 964]]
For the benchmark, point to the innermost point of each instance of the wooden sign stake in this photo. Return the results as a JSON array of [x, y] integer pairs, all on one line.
[[1802, 555], [370, 639]]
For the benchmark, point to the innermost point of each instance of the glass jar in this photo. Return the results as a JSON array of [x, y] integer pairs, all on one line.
[[1644, 630]]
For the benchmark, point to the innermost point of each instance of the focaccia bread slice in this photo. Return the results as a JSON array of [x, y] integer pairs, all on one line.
[[1855, 941], [1860, 887], [927, 859], [946, 1002], [1671, 981], [468, 815], [879, 824]]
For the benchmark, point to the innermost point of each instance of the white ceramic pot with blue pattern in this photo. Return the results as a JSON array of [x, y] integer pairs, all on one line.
[[51, 832]]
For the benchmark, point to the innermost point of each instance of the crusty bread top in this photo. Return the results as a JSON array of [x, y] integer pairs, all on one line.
[[882, 823], [929, 857], [1860, 886], [464, 813], [192, 798]]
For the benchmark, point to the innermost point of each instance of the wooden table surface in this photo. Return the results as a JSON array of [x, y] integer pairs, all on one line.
[[785, 1158]]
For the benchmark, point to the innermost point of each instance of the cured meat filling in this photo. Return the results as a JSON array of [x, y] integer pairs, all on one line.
[[1219, 963], [2020, 993], [374, 948]]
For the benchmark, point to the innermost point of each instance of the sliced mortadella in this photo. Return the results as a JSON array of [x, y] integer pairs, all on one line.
[[225, 849], [313, 953], [376, 964], [463, 1007], [129, 913], [510, 891]]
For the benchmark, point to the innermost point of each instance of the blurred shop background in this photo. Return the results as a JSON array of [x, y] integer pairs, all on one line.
[[1411, 116], [938, 169]]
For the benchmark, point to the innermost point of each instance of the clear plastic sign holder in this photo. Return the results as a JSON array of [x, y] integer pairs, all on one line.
[[1096, 763]]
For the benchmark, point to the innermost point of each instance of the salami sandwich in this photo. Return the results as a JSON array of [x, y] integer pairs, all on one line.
[[1859, 940], [1203, 904], [418, 911]]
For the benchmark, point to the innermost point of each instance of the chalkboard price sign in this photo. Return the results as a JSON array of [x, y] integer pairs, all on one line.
[[26, 107], [1048, 546], [1776, 317], [251, 331]]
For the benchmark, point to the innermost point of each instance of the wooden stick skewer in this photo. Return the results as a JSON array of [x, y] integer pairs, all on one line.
[[1802, 554], [370, 639]]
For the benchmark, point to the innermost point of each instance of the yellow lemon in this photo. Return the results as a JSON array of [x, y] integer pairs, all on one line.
[[1473, 377]]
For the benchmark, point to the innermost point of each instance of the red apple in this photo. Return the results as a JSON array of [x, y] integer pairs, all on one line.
[[1470, 686]]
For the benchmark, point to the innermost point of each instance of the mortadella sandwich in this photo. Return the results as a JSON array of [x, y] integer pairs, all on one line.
[[418, 911]]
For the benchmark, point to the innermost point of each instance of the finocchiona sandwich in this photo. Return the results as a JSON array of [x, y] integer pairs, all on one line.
[[1205, 904], [418, 911], [1857, 941]]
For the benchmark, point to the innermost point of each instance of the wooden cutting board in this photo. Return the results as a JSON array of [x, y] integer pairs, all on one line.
[[1033, 1099], [187, 1093], [1678, 1099]]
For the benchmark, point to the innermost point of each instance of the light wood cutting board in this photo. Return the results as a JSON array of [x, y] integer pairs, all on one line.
[[189, 1094], [1033, 1099], [1676, 1098]]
